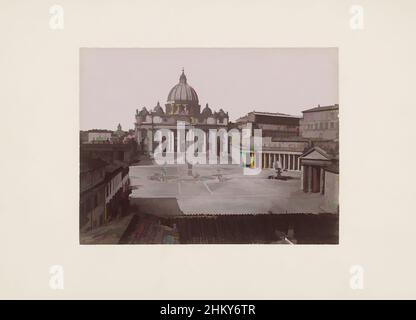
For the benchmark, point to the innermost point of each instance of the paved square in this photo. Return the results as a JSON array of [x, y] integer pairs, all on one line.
[[222, 189]]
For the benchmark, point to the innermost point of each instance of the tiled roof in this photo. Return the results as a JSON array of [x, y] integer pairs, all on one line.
[[256, 228]]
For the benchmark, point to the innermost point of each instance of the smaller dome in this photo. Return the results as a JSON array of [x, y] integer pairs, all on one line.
[[143, 112], [158, 109], [221, 114], [207, 112]]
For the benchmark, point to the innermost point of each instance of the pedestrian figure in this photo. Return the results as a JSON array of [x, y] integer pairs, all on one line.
[[277, 168]]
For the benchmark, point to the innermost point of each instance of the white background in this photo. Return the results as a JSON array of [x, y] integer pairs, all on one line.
[[39, 77]]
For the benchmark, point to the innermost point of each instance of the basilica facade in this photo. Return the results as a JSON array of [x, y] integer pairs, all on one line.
[[182, 105]]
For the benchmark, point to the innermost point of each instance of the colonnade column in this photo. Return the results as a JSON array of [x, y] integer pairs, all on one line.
[[309, 173], [287, 161], [322, 181], [301, 178]]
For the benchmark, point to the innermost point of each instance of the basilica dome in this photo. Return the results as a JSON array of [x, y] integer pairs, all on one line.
[[183, 93]]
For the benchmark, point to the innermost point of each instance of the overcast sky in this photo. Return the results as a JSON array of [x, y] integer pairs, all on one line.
[[116, 82]]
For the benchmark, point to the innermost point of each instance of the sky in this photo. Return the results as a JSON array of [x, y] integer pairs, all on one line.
[[116, 82]]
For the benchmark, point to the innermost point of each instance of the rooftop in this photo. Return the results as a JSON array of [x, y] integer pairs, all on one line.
[[99, 131], [274, 114], [267, 114], [323, 108]]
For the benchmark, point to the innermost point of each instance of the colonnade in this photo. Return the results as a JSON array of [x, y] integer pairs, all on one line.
[[288, 161]]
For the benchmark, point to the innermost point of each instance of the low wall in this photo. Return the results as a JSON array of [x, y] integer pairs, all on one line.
[[331, 195], [162, 207]]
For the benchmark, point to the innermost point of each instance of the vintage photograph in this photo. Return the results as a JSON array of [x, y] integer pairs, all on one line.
[[209, 146], [207, 155]]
